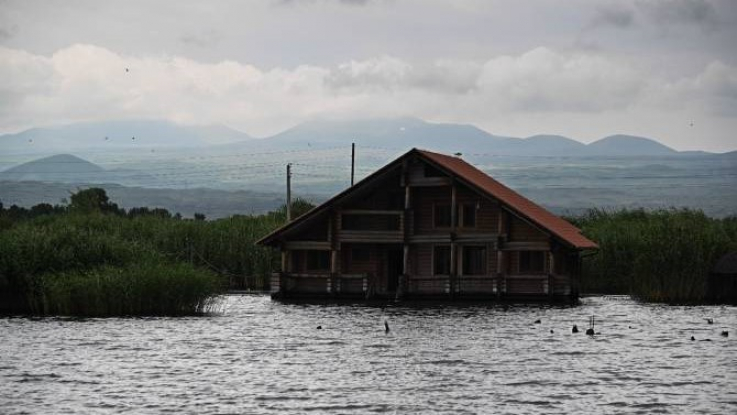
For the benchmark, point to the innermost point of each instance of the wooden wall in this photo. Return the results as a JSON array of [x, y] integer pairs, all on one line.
[[520, 230], [425, 198]]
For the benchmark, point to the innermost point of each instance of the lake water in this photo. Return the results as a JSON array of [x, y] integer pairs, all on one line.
[[259, 357]]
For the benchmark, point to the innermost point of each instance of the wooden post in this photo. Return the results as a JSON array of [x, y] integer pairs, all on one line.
[[334, 251], [289, 192], [453, 226], [453, 207], [499, 271], [284, 263], [551, 277], [353, 161]]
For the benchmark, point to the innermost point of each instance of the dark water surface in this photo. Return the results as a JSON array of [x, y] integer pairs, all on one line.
[[259, 356]]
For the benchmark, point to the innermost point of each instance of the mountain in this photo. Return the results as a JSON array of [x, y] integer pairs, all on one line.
[[405, 133], [548, 145], [121, 134], [627, 145], [392, 133]]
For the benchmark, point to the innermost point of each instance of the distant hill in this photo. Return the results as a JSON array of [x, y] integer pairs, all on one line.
[[627, 145], [124, 134], [213, 203], [394, 134], [66, 168], [58, 168]]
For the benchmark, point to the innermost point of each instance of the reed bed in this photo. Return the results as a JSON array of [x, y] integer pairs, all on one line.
[[104, 262], [72, 265], [661, 255]]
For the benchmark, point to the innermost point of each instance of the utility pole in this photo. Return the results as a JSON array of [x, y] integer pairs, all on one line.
[[289, 192], [353, 162]]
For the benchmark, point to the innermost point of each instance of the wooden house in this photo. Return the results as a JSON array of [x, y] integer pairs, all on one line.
[[428, 225]]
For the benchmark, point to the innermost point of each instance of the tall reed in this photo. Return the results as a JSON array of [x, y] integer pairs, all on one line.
[[662, 255]]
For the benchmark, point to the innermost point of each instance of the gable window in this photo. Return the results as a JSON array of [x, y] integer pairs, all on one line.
[[531, 261], [318, 260], [441, 260], [441, 216], [468, 215], [474, 260], [369, 222]]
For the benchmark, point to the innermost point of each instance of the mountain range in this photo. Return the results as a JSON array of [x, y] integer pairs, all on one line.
[[394, 133], [124, 134]]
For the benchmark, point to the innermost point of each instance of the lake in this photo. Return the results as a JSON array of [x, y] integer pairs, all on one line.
[[257, 356]]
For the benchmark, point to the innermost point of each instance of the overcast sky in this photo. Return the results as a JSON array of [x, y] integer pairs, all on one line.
[[665, 69]]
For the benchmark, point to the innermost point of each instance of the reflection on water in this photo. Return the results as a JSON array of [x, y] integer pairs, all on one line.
[[259, 356]]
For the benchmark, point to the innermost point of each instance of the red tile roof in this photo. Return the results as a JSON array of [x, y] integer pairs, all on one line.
[[474, 177], [518, 203]]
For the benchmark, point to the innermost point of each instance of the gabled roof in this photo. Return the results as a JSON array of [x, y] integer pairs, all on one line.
[[472, 177], [513, 200]]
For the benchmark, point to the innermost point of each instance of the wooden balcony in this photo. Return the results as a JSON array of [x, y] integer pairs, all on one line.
[[319, 285]]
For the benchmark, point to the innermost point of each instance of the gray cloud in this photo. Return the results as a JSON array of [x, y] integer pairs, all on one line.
[[7, 33], [345, 2], [699, 13], [201, 39], [620, 16]]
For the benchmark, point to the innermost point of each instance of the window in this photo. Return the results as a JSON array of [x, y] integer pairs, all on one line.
[[441, 260], [531, 261], [468, 216], [360, 254], [441, 216], [318, 260], [474, 260]]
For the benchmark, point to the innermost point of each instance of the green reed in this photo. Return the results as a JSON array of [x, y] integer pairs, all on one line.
[[661, 255], [74, 265], [69, 262]]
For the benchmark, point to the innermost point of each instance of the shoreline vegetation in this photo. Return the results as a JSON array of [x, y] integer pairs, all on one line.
[[660, 256], [91, 258], [88, 257]]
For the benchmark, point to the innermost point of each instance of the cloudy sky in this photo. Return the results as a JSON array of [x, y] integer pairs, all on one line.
[[665, 69]]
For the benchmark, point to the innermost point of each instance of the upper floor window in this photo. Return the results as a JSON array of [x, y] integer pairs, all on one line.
[[468, 215], [369, 222], [441, 216]]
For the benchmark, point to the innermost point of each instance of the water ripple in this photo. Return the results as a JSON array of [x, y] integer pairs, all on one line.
[[262, 357]]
